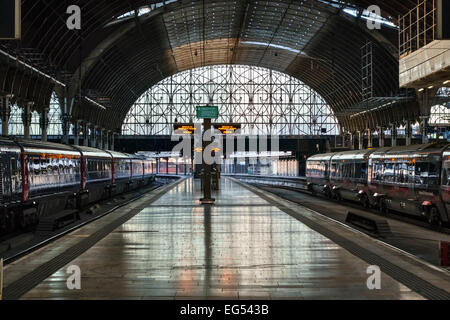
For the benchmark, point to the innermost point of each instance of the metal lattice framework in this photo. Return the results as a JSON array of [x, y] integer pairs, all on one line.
[[262, 100], [16, 127]]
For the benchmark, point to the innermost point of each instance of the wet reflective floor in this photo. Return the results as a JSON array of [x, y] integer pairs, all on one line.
[[242, 248]]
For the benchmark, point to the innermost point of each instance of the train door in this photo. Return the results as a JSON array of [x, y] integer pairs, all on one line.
[[10, 179], [445, 186], [413, 200], [5, 178]]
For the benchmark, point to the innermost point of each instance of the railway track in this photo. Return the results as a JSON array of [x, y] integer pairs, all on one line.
[[395, 216], [298, 184]]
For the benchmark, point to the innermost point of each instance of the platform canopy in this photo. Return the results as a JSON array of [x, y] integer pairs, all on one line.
[[125, 47]]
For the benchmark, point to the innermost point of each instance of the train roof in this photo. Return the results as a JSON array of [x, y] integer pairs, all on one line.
[[353, 155], [137, 157], [7, 145], [321, 157], [93, 153], [40, 147], [412, 151], [447, 152], [118, 155]]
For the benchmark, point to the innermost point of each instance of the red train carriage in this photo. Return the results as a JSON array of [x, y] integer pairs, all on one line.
[[141, 173], [348, 176], [11, 187], [318, 173], [39, 179], [412, 180], [445, 185], [121, 172], [408, 179], [96, 172], [51, 177]]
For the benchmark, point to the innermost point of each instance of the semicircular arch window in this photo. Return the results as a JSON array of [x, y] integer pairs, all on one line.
[[262, 100]]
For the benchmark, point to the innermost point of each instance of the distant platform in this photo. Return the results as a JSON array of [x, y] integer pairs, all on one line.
[[250, 245]]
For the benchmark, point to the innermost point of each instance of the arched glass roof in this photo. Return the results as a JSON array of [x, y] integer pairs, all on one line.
[[262, 100]]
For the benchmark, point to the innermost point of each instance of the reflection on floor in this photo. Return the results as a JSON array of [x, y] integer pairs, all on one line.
[[242, 248]]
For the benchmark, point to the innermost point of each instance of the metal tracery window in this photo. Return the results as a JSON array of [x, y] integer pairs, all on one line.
[[262, 100]]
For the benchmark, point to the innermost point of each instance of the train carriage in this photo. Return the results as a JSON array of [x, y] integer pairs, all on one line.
[[121, 172], [348, 176], [39, 179], [317, 171], [445, 184], [51, 177], [96, 168], [10, 186], [412, 179], [141, 173], [408, 180]]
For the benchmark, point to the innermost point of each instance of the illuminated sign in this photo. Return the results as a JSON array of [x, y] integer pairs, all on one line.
[[10, 20], [227, 128], [184, 128]]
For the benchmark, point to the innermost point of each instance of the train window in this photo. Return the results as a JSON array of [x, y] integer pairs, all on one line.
[[361, 170], [421, 175], [402, 173], [36, 166], [389, 172], [434, 174], [377, 171], [13, 165], [445, 177], [347, 170]]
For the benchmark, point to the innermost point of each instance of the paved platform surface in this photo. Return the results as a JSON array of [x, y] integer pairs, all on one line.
[[242, 248], [415, 239]]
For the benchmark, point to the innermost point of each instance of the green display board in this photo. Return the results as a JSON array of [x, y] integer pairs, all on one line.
[[207, 112]]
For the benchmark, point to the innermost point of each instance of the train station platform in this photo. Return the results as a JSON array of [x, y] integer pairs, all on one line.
[[250, 245]]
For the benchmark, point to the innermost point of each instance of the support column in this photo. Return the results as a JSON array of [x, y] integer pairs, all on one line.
[[113, 137], [100, 139], [76, 132], [360, 140], [352, 142], [94, 137], [86, 126], [5, 114], [408, 133], [43, 122], [394, 135], [424, 128], [425, 99], [107, 139], [381, 137], [66, 127], [369, 139], [26, 119]]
